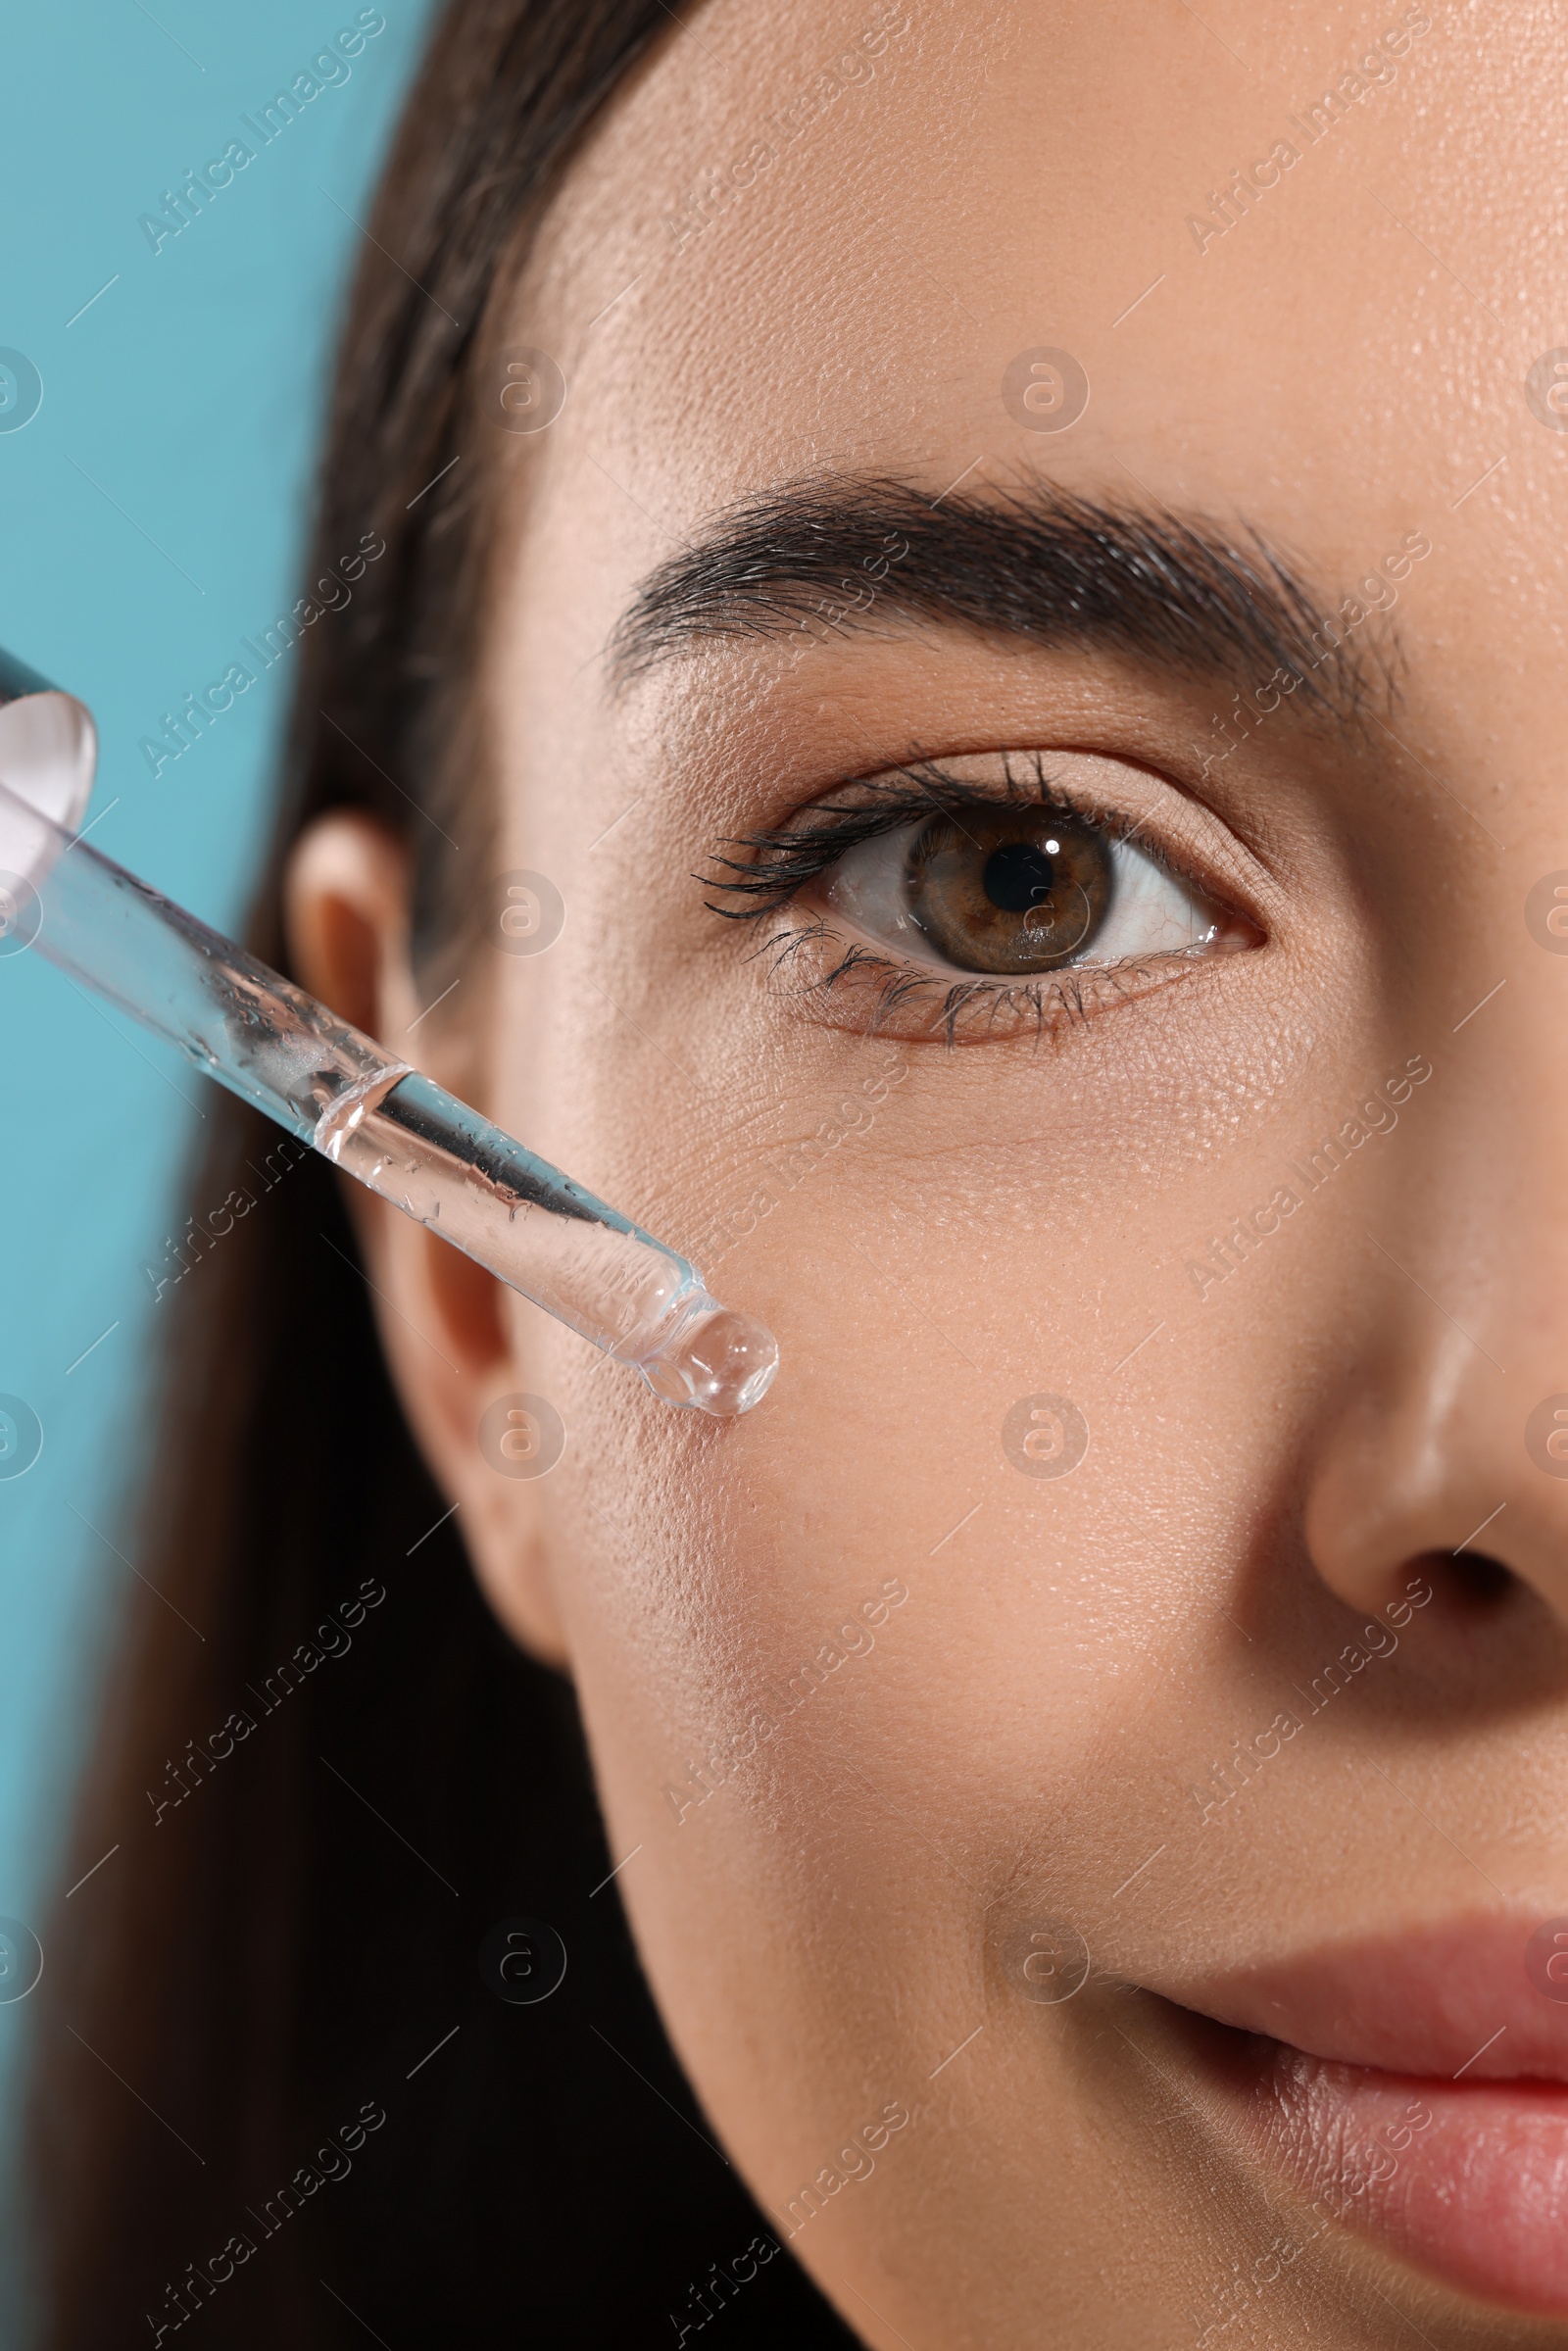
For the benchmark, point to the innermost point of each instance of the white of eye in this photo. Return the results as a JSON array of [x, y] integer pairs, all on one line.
[[1151, 911]]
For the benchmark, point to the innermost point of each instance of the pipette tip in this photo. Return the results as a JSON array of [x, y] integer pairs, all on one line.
[[717, 1359]]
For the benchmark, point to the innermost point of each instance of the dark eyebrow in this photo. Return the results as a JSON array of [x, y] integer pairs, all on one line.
[[1032, 561]]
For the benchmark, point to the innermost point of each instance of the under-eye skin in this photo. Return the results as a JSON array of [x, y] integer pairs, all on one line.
[[970, 906]]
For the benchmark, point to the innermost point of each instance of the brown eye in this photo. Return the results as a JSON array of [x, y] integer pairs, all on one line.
[[1012, 890], [1009, 891]]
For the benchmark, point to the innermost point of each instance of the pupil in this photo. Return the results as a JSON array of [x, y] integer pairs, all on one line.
[[1018, 876]]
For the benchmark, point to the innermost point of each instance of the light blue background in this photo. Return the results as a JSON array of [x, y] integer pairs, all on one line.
[[151, 514]]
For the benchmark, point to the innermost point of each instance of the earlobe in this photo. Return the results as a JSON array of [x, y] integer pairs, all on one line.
[[444, 1329]]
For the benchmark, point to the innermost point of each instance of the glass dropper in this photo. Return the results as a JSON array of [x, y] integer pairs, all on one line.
[[379, 1121]]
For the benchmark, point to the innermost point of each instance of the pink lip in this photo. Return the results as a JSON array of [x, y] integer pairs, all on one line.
[[1416, 2088]]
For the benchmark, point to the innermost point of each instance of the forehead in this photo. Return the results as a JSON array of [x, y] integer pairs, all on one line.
[[1286, 263]]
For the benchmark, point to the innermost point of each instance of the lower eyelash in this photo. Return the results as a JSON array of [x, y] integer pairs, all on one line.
[[1061, 999]]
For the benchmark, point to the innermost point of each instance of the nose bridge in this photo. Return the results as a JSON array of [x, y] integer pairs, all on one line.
[[1476, 1214], [1450, 1429]]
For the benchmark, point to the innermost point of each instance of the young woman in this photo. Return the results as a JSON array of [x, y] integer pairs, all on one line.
[[958, 714]]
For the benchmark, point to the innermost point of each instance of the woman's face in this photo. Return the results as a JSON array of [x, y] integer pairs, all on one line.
[[1142, 1128]]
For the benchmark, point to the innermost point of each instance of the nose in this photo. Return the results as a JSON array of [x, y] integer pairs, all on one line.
[[1420, 1462], [1449, 1431]]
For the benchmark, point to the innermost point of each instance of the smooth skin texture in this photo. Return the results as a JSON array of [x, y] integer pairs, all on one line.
[[830, 1907]]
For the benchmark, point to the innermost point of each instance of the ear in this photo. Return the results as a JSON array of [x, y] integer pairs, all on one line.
[[444, 1328]]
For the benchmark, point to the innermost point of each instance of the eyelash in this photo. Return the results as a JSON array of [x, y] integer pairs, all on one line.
[[777, 866]]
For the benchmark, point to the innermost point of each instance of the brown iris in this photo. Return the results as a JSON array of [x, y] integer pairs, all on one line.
[[1009, 890]]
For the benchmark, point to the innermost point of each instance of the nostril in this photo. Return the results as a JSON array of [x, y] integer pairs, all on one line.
[[1474, 1579]]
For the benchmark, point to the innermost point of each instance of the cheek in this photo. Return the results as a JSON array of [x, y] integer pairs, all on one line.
[[794, 1890], [998, 1384]]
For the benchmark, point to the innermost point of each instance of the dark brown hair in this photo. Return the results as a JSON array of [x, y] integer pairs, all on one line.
[[273, 2100]]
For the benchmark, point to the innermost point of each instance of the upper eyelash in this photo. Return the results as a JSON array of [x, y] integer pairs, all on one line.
[[797, 854]]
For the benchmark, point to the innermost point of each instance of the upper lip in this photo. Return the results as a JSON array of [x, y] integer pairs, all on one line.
[[1451, 2000]]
